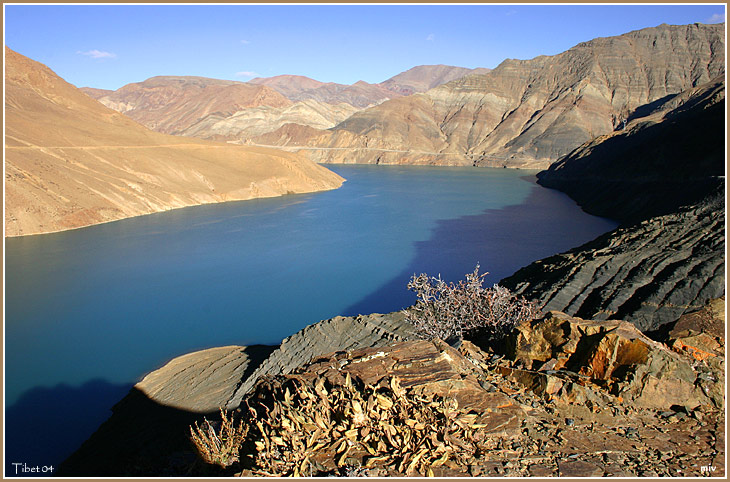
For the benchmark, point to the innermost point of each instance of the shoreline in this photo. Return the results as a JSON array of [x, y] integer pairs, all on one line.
[[322, 164], [288, 193]]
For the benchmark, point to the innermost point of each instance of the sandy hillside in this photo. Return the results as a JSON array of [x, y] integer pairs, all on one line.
[[72, 162]]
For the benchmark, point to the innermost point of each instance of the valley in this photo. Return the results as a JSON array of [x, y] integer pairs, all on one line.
[[213, 248]]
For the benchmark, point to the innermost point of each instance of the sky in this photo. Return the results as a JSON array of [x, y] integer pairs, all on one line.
[[108, 46]]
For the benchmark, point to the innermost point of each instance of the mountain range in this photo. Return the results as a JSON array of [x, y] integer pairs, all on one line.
[[525, 113], [72, 162], [238, 111]]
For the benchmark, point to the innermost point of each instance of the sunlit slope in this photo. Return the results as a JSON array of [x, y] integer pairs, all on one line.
[[526, 113], [72, 162]]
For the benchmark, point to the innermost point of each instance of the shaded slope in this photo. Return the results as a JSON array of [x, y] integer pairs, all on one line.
[[671, 155], [649, 273]]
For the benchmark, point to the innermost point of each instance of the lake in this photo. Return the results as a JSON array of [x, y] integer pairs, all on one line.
[[88, 312]]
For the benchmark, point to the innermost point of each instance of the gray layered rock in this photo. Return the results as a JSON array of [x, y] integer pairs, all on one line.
[[336, 334], [648, 273]]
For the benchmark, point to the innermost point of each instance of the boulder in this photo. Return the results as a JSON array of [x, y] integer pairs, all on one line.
[[559, 353]]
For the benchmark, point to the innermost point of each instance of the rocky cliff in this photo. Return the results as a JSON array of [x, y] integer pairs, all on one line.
[[670, 153], [529, 113], [648, 273], [72, 162]]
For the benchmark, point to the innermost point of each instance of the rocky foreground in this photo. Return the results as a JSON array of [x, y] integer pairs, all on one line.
[[561, 396]]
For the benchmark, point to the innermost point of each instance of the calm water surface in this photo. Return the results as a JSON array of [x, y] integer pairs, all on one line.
[[88, 312]]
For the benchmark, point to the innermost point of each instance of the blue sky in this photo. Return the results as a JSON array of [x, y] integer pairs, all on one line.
[[108, 46]]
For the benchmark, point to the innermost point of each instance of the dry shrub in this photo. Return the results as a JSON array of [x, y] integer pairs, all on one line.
[[315, 428], [448, 310], [219, 446]]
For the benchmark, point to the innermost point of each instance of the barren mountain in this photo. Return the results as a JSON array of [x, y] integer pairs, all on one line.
[[296, 87], [172, 104], [72, 162], [256, 121], [95, 93], [528, 113], [288, 85], [426, 77]]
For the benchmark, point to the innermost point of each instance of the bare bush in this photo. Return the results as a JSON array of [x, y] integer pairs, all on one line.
[[446, 310], [219, 446]]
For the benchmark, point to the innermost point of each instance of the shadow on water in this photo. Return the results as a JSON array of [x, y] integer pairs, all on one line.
[[74, 429], [500, 240], [46, 425]]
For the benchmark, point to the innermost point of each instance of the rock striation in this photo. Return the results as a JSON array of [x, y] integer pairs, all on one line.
[[170, 104], [425, 77], [72, 162], [649, 273], [528, 113], [669, 154], [252, 122]]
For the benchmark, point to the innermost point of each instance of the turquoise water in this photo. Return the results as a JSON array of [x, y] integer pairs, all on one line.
[[92, 310]]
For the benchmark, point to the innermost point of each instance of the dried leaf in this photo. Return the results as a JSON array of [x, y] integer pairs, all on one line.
[[341, 460], [384, 401], [348, 381], [415, 460], [398, 391], [375, 460], [440, 461]]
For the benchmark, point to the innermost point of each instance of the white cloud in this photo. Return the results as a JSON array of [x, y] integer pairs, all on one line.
[[247, 73], [245, 42], [717, 18], [430, 37], [98, 54], [510, 13]]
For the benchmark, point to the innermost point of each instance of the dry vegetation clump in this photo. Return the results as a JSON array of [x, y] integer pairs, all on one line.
[[302, 428], [219, 446], [447, 310]]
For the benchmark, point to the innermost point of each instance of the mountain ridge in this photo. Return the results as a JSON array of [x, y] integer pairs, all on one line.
[[528, 113]]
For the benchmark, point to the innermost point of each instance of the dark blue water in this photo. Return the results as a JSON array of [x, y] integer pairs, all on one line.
[[88, 312]]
